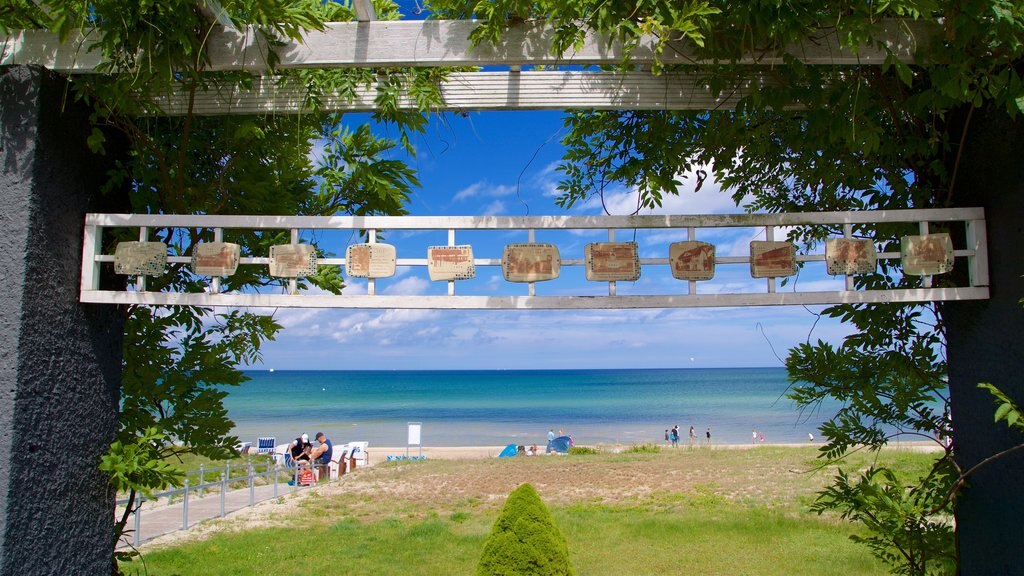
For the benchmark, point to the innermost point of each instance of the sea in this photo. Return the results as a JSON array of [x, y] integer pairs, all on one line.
[[500, 407]]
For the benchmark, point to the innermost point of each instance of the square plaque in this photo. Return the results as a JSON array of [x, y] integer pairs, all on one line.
[[215, 258], [530, 262], [370, 260], [612, 261], [927, 255], [292, 260], [451, 262], [692, 260], [140, 258], [772, 259], [848, 256]]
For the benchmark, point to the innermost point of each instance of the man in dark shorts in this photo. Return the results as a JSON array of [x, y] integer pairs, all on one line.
[[322, 454]]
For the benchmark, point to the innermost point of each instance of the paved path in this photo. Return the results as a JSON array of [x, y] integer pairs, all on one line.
[[158, 518]]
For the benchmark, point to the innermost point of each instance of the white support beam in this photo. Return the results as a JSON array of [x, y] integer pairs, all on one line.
[[539, 90], [424, 43], [529, 222], [533, 302], [364, 10], [536, 227]]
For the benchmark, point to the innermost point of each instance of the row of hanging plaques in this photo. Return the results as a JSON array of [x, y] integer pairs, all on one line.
[[923, 255]]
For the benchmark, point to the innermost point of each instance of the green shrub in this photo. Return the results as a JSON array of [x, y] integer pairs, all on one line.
[[583, 450], [525, 540], [643, 449]]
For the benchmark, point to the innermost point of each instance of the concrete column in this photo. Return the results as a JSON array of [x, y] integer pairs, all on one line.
[[986, 344], [59, 360]]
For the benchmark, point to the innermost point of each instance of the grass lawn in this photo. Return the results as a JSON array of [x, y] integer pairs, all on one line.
[[676, 512]]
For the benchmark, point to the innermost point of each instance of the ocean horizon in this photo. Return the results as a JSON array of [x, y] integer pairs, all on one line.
[[498, 407]]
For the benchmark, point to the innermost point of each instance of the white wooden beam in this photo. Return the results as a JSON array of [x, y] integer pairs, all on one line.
[[530, 222], [364, 10], [545, 90], [445, 43], [533, 302]]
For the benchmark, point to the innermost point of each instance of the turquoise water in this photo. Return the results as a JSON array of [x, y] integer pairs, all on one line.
[[491, 408]]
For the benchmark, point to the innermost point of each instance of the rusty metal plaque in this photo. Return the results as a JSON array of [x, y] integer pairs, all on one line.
[[215, 258], [450, 262], [692, 260], [292, 260], [612, 261], [927, 255], [530, 262], [845, 256], [370, 260], [140, 258], [772, 259]]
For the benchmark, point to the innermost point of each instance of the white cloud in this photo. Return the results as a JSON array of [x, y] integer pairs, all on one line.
[[493, 209], [410, 285], [483, 189]]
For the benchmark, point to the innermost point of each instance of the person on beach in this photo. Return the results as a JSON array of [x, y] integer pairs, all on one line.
[[666, 436], [810, 437], [323, 453], [762, 437], [708, 435], [753, 437], [693, 436], [675, 436], [551, 438], [301, 448]]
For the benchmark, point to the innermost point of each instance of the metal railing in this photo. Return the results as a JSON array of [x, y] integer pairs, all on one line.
[[271, 474]]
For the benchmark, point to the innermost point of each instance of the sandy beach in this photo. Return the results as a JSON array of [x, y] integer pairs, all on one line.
[[379, 454]]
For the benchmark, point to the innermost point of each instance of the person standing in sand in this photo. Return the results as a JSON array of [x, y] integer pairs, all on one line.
[[753, 437], [551, 438], [675, 436], [693, 436], [708, 435]]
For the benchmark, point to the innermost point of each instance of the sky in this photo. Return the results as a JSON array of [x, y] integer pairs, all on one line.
[[504, 163]]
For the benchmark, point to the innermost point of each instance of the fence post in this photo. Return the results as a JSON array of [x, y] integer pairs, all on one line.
[[184, 508], [223, 489], [275, 479], [227, 469], [138, 521], [201, 482], [252, 486]]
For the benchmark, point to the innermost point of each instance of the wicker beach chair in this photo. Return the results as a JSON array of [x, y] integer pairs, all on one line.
[[265, 445]]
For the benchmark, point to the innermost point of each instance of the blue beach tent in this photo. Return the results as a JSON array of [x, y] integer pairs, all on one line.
[[508, 452], [560, 444]]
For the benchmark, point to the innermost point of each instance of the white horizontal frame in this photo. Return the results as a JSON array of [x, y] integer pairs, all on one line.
[[535, 302], [531, 90], [425, 43], [528, 222], [92, 259]]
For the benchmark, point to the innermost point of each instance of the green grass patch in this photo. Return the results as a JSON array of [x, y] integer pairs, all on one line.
[[704, 533]]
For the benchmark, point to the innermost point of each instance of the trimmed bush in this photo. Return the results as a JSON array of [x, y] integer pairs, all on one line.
[[583, 450], [525, 540]]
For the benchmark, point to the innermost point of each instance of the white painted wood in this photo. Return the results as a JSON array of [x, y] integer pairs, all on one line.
[[538, 90], [445, 43], [92, 247], [974, 251], [529, 222], [978, 262], [534, 302], [364, 10]]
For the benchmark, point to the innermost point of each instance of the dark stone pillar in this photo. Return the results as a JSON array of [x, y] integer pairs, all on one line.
[[986, 344], [59, 360]]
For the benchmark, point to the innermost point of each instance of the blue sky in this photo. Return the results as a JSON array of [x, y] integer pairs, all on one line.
[[503, 163]]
